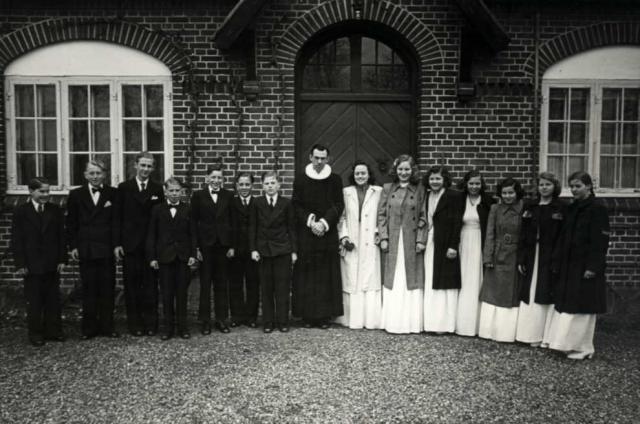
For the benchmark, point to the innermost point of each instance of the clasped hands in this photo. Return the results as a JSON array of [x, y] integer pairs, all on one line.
[[318, 228]]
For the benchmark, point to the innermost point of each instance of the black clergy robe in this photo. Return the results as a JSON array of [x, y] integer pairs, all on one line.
[[317, 285]]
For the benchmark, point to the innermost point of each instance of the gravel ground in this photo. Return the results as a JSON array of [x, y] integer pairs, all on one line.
[[311, 375]]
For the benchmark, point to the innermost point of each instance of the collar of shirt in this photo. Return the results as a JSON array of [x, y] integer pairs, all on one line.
[[36, 204], [245, 200], [173, 204], [274, 197], [100, 187], [140, 182]]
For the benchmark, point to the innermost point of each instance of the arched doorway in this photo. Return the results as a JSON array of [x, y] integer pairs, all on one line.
[[355, 86]]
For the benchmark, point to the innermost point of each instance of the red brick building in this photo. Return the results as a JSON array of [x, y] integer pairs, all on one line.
[[509, 87]]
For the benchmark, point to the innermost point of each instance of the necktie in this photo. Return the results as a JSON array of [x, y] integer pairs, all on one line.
[[244, 202], [143, 186], [40, 208], [271, 202]]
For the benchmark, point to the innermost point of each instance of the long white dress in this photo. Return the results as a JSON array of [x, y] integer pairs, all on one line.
[[468, 310], [439, 305], [401, 308], [570, 332], [534, 319]]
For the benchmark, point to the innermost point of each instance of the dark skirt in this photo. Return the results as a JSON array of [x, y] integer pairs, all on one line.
[[317, 286]]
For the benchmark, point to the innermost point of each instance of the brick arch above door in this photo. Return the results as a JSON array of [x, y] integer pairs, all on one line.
[[156, 44]]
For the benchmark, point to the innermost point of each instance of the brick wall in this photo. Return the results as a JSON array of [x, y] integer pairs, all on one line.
[[496, 131]]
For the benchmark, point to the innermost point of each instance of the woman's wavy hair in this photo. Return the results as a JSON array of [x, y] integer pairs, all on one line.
[[557, 188], [510, 182], [415, 178], [584, 177], [352, 180], [462, 185], [437, 169]]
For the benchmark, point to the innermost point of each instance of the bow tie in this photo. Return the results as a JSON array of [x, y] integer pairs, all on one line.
[[215, 191], [95, 190]]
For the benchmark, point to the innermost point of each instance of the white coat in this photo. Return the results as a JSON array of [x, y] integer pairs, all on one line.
[[360, 268]]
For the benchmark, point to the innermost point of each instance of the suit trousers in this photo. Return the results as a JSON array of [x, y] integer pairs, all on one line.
[[275, 282], [214, 270], [98, 291], [140, 292], [244, 293], [174, 288], [42, 293]]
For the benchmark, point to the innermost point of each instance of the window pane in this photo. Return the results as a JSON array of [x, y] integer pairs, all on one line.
[[26, 167], [556, 137], [556, 167], [557, 99], [384, 54], [631, 104], [578, 138], [338, 76], [47, 134], [607, 171], [153, 95], [158, 173], [101, 136], [132, 105], [401, 78], [368, 55], [100, 101], [155, 138], [577, 163], [326, 54], [385, 77], [610, 102], [133, 136], [608, 138], [49, 167], [78, 101], [24, 100], [630, 173], [106, 159], [77, 164], [630, 139], [312, 78], [79, 136], [129, 161], [343, 51], [25, 134], [369, 81], [579, 103], [46, 100]]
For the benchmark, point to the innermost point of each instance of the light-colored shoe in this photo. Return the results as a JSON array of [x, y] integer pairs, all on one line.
[[544, 345], [536, 344], [580, 355]]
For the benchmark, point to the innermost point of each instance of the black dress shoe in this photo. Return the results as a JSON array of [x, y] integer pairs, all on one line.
[[307, 324], [233, 324], [58, 338], [185, 335], [166, 336], [87, 336], [205, 329], [283, 329], [222, 327], [137, 333], [112, 334], [324, 326], [268, 328], [151, 333], [251, 324], [37, 342]]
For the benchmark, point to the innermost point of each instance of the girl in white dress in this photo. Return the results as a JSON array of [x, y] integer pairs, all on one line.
[[360, 263]]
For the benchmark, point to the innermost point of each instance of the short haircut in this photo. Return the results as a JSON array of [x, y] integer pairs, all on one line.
[[215, 167], [582, 176], [438, 169], [268, 174], [352, 180], [96, 162], [393, 173], [557, 188], [320, 147], [145, 155], [244, 174], [172, 181], [37, 182], [510, 182], [463, 185]]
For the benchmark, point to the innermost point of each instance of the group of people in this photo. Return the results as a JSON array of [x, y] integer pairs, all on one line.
[[411, 256]]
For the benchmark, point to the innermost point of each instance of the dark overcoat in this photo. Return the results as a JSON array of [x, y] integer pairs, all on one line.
[[447, 223], [582, 245], [541, 225], [483, 209]]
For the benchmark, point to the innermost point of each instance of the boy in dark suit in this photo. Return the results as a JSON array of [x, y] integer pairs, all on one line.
[[90, 238], [211, 215], [244, 287], [39, 253], [135, 199], [171, 248], [273, 244]]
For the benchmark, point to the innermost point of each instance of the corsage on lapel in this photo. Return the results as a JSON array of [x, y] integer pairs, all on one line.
[[527, 214], [557, 216], [107, 204]]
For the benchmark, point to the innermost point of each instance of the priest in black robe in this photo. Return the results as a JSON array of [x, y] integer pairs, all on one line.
[[318, 203]]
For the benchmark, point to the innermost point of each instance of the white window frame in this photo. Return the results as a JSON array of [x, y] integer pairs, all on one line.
[[595, 87], [117, 171]]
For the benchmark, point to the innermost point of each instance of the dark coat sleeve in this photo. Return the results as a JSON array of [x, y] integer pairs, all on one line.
[[332, 214], [18, 247], [599, 239], [291, 228], [118, 215], [152, 235], [253, 225], [457, 200], [72, 224], [62, 245], [302, 213], [194, 215], [490, 239]]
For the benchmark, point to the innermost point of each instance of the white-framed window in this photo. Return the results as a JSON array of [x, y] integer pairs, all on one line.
[[591, 119], [59, 120]]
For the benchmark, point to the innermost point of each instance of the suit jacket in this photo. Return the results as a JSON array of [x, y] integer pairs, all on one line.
[[240, 215], [89, 226], [37, 239], [212, 221], [272, 229], [170, 238], [132, 213]]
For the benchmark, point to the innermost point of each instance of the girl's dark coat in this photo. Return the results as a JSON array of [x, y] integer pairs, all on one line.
[[542, 225], [582, 245], [483, 209], [447, 223]]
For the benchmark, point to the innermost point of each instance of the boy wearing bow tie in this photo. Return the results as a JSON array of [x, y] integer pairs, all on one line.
[[37, 242], [90, 238], [136, 197], [211, 216], [171, 248]]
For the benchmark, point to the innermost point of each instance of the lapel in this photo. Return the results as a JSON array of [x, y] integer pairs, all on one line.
[[352, 197], [85, 197], [47, 214], [400, 194], [367, 196], [101, 200], [442, 203], [272, 213], [32, 216], [140, 196]]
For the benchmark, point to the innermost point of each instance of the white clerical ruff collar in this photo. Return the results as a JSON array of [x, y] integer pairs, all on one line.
[[311, 173]]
